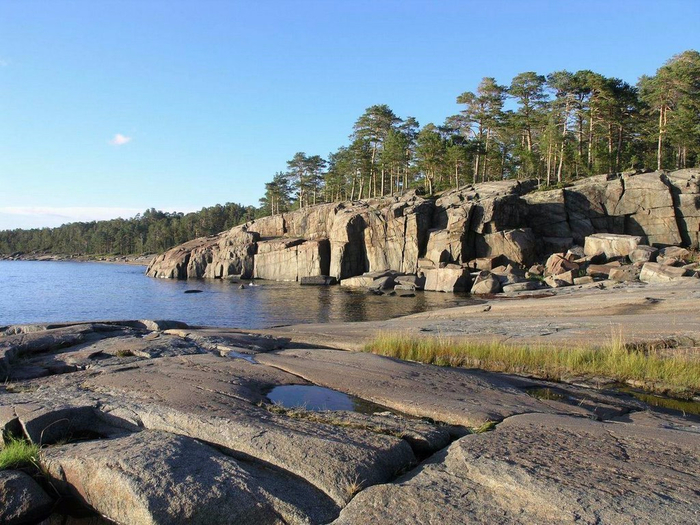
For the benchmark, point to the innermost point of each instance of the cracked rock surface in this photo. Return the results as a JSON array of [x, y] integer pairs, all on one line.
[[147, 422]]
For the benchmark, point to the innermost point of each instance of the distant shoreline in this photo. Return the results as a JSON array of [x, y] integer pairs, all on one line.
[[135, 260]]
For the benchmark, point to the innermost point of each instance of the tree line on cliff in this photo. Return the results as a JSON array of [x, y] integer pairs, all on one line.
[[555, 128]]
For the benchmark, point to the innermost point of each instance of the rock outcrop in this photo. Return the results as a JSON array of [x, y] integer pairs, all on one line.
[[192, 435], [487, 220]]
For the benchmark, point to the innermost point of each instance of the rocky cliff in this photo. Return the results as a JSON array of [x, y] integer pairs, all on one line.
[[507, 218]]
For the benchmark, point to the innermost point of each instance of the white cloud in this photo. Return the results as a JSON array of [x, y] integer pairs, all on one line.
[[120, 140]]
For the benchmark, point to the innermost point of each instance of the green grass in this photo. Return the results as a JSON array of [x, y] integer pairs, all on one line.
[[657, 370], [17, 453]]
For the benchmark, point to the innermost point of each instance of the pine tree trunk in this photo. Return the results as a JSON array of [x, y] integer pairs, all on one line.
[[661, 135]]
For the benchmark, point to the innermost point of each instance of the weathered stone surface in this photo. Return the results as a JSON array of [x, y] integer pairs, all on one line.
[[215, 400], [546, 214], [546, 469], [673, 256], [447, 279], [294, 261], [360, 281], [613, 245], [476, 221], [686, 199], [517, 245], [659, 273], [22, 500], [156, 477], [522, 287], [455, 396], [32, 342], [485, 283], [553, 281], [624, 273], [643, 254], [586, 279], [599, 270], [557, 264]]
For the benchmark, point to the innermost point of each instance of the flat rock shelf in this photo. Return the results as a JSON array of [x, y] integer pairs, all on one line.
[[159, 422]]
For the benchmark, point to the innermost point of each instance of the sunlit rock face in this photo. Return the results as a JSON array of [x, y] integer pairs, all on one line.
[[490, 219]]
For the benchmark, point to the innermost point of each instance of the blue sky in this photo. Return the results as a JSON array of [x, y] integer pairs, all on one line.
[[109, 108]]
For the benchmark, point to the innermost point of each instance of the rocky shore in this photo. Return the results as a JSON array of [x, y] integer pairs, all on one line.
[[504, 228], [159, 422]]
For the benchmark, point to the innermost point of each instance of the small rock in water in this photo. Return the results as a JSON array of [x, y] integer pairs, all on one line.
[[241, 287], [193, 291]]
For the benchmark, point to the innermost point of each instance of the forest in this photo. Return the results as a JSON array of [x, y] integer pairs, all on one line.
[[555, 128], [150, 232]]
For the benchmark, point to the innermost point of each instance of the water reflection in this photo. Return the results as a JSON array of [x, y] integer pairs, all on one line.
[[36, 292], [318, 398]]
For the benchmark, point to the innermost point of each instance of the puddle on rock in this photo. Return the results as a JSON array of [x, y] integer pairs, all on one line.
[[545, 394], [318, 398], [238, 355], [665, 403]]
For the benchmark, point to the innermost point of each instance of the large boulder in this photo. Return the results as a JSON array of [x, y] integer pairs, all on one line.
[[548, 469], [558, 263], [485, 283], [447, 280], [156, 477], [517, 245], [611, 244], [659, 273]]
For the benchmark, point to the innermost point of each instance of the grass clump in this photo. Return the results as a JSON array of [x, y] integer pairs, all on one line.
[[657, 370], [17, 453]]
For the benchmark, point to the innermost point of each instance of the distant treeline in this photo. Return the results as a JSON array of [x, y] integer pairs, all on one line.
[[150, 232]]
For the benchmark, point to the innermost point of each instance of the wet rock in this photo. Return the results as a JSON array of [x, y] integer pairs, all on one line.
[[613, 245], [318, 280], [22, 500], [452, 395], [540, 468]]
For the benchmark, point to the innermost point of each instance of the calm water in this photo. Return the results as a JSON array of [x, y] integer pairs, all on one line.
[[318, 398], [37, 292]]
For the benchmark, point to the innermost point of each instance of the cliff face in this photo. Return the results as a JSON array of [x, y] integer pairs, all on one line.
[[482, 220]]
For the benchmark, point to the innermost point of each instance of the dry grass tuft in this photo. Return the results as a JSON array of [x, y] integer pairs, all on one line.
[[656, 369]]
